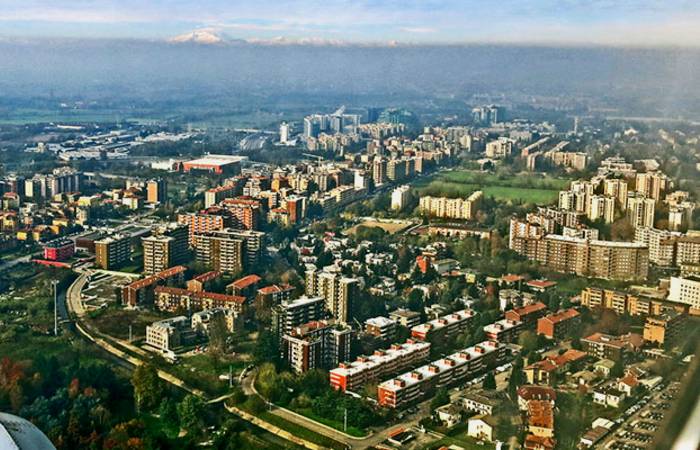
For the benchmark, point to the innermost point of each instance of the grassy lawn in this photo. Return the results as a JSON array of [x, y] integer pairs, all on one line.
[[523, 187], [115, 321], [461, 440], [301, 432], [352, 431]]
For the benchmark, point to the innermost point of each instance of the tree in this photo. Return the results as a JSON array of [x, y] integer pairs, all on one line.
[[442, 397], [190, 411], [217, 335], [528, 341], [489, 381], [415, 300], [148, 387], [618, 369], [516, 377], [168, 413]]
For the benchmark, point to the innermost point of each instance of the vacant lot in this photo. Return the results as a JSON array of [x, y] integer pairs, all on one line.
[[389, 227], [523, 187]]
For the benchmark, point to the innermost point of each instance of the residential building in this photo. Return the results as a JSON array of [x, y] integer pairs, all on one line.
[[558, 325], [156, 191], [290, 314], [585, 257], [417, 384], [316, 345], [546, 370], [245, 212], [686, 291], [664, 329], [59, 250], [400, 197], [652, 184], [215, 195], [175, 299], [113, 251], [451, 208], [169, 334], [381, 327], [405, 317], [445, 327], [274, 294], [141, 292], [611, 347], [245, 287], [228, 250], [481, 427], [351, 376], [206, 221], [527, 314], [640, 210], [504, 330], [339, 291], [202, 282], [481, 402]]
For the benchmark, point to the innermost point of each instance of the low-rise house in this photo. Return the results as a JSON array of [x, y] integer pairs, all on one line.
[[608, 395], [528, 393], [544, 371], [481, 427], [604, 367], [483, 402], [449, 415]]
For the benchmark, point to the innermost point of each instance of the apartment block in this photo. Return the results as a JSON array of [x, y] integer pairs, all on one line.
[[527, 314], [559, 324], [316, 345], [113, 251], [451, 208], [352, 376], [338, 291], [504, 330], [175, 299], [140, 292], [605, 346], [445, 327], [422, 382], [288, 315], [664, 329]]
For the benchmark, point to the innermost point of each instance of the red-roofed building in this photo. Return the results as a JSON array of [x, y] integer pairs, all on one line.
[[140, 292], [511, 279], [201, 282], [275, 294], [245, 287], [533, 442], [543, 372], [527, 314], [174, 299], [558, 325], [541, 285], [528, 393]]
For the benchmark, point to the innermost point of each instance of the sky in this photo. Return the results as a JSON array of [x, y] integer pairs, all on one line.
[[598, 22]]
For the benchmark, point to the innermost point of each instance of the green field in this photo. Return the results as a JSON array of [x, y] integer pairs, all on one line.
[[522, 187]]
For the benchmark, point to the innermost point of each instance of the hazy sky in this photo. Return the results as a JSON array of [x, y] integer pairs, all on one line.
[[617, 22]]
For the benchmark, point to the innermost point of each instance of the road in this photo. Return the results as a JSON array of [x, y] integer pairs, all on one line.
[[375, 438], [73, 303], [13, 262]]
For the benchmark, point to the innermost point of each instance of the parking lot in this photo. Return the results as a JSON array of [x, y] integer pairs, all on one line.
[[639, 422]]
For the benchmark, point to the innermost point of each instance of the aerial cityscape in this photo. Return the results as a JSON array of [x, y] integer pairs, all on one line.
[[344, 225]]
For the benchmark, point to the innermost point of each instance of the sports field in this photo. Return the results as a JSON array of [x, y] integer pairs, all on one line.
[[522, 187]]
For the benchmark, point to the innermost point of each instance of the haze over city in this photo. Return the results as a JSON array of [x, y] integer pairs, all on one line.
[[370, 224]]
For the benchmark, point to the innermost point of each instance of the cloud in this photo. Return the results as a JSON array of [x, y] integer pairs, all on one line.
[[418, 30], [619, 22]]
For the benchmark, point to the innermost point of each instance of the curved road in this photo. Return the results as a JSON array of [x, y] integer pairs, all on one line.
[[75, 306]]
